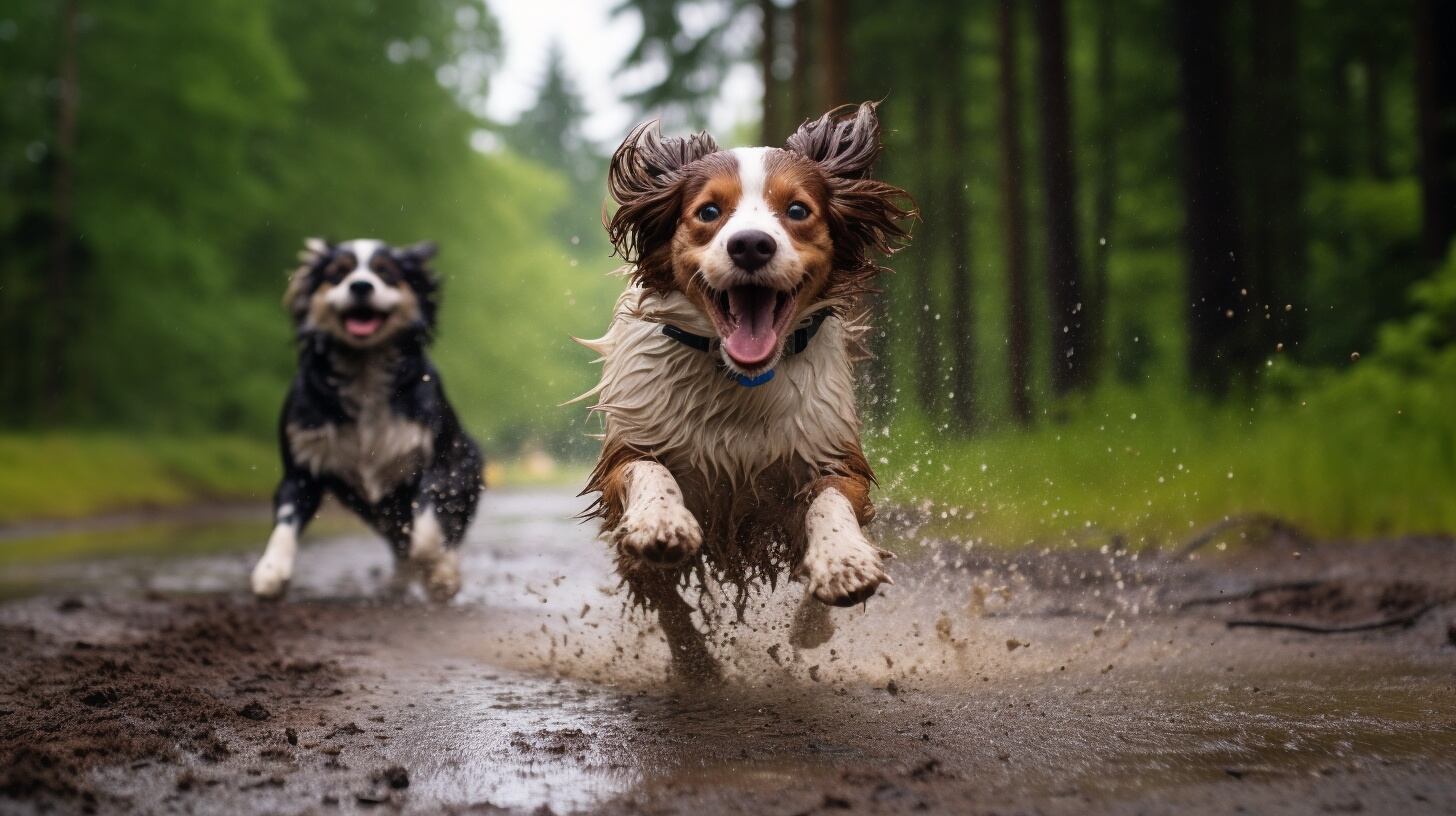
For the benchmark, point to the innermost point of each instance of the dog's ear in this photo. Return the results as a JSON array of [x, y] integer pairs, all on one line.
[[644, 180], [864, 214], [845, 142], [414, 265], [422, 251], [315, 253]]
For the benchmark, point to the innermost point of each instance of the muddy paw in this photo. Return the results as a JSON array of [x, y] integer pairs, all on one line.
[[845, 572], [270, 577], [442, 578], [663, 533]]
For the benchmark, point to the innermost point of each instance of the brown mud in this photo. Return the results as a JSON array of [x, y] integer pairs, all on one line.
[[982, 682]]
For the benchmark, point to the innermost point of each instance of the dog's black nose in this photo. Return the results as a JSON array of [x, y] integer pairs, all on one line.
[[751, 249], [361, 289]]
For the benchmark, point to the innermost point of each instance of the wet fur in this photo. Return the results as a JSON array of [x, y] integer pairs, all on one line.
[[747, 463], [368, 421]]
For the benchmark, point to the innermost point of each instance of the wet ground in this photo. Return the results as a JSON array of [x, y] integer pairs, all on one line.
[[982, 682]]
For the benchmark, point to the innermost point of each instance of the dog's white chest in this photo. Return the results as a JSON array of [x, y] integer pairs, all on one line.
[[675, 403], [373, 454]]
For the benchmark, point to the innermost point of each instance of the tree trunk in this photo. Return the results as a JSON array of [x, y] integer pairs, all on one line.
[[878, 388], [1070, 356], [1276, 231], [58, 284], [1096, 311], [1339, 160], [1212, 233], [1013, 209], [770, 128], [922, 296], [1436, 105], [801, 92], [1377, 138], [957, 233], [832, 61]]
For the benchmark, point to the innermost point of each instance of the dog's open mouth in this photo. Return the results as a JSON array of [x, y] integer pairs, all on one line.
[[750, 321], [362, 322]]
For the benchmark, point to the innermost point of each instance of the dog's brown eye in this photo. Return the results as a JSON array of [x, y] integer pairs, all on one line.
[[386, 272], [709, 213], [797, 212]]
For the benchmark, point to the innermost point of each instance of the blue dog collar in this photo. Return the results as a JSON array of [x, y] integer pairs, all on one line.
[[754, 382]]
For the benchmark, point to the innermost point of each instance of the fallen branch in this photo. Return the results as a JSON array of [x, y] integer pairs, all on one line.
[[1270, 526], [1210, 600], [1407, 620]]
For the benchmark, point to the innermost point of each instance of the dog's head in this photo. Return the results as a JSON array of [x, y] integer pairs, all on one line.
[[362, 293], [754, 237]]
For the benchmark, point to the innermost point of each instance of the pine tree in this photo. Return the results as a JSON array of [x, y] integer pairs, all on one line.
[[550, 131]]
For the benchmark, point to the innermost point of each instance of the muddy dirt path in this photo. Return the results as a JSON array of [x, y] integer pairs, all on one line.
[[1027, 682]]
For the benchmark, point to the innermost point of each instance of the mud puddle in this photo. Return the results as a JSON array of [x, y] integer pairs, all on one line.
[[981, 682]]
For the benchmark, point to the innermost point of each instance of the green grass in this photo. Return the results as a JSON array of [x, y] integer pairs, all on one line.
[[1155, 470], [78, 474]]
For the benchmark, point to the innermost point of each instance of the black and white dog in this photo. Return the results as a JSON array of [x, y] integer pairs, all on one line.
[[366, 417]]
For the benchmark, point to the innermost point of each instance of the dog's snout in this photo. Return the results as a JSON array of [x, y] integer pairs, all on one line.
[[361, 289], [751, 249]]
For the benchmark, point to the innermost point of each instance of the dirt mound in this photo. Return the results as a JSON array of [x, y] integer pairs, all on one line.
[[155, 697]]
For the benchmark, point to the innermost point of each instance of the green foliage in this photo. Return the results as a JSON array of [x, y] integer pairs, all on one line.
[[1365, 449], [1362, 261], [695, 57], [211, 141]]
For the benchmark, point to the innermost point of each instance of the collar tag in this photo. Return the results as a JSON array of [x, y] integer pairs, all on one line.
[[754, 382]]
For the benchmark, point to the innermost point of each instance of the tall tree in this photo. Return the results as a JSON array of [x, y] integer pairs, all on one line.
[[1106, 187], [1211, 226], [1436, 107], [695, 60], [924, 326], [1070, 365], [801, 91], [53, 351], [1276, 228], [957, 232], [770, 125], [833, 62], [1013, 212], [551, 133], [1377, 136]]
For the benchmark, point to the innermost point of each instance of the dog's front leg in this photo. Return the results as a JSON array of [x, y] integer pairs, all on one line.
[[654, 525], [447, 499], [841, 566], [432, 556], [294, 504]]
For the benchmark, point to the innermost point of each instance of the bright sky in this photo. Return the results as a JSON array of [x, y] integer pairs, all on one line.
[[594, 44]]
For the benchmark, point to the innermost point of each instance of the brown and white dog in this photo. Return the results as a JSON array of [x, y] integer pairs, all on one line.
[[732, 443]]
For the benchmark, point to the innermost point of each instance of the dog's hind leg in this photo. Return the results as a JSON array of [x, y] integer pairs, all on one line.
[[691, 659], [294, 504], [841, 566]]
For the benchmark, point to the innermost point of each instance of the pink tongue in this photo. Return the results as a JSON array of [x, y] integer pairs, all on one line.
[[362, 326], [753, 340]]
